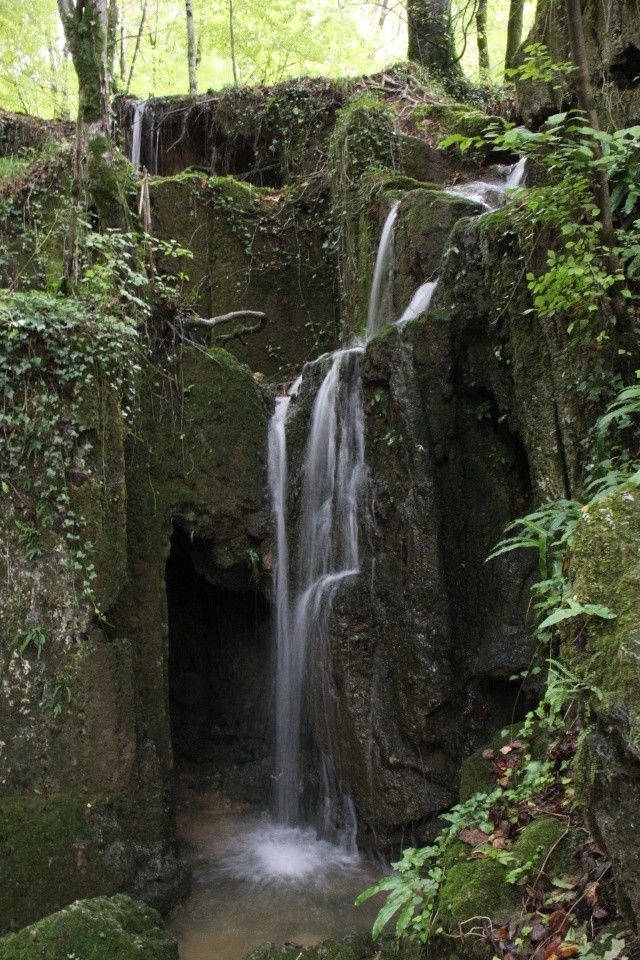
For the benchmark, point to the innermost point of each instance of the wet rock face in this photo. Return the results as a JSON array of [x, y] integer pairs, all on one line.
[[85, 788], [604, 569], [425, 640], [612, 38]]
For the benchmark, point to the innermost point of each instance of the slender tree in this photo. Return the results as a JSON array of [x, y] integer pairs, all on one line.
[[514, 32], [431, 37], [482, 38], [86, 26], [191, 49], [586, 101], [232, 44], [143, 16]]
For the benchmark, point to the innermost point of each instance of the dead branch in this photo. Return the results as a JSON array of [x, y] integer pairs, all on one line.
[[237, 334]]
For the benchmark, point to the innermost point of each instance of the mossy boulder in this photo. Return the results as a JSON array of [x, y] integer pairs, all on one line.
[[605, 570], [477, 888], [476, 775], [542, 845], [49, 855], [253, 249], [105, 928]]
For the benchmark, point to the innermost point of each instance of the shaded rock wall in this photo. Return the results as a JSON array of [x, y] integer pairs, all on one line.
[[604, 655], [612, 39], [86, 789]]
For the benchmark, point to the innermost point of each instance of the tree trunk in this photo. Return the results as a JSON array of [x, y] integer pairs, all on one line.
[[431, 37], [87, 27], [232, 41], [586, 102], [514, 32], [191, 49], [483, 45], [143, 16]]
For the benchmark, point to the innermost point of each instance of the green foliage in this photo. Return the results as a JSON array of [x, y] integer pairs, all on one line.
[[57, 355], [561, 217], [414, 889], [539, 66]]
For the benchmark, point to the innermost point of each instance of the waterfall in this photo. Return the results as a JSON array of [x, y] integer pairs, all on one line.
[[327, 545], [419, 302], [136, 132], [381, 298], [327, 549], [493, 190]]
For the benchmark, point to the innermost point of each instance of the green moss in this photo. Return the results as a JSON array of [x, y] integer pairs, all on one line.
[[476, 888], [457, 118], [475, 772], [46, 857], [605, 570], [541, 845], [327, 950], [115, 928]]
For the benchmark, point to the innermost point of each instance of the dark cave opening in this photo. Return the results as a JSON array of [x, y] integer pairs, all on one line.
[[219, 629]]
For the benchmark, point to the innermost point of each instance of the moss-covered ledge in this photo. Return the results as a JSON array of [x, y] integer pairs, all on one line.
[[605, 655], [115, 928]]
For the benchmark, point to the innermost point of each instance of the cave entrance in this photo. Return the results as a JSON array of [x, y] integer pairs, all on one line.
[[219, 629]]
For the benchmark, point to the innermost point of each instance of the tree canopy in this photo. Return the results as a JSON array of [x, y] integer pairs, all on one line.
[[239, 41]]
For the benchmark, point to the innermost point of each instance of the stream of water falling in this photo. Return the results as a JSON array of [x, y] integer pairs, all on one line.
[[136, 132], [259, 879], [327, 542]]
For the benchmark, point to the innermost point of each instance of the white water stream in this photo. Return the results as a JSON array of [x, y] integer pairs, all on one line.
[[136, 133], [259, 879], [491, 193]]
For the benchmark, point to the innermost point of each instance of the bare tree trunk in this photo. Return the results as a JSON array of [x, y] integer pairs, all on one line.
[[191, 49], [143, 17], [232, 40], [514, 32], [483, 45], [586, 102], [384, 10], [88, 29], [431, 37]]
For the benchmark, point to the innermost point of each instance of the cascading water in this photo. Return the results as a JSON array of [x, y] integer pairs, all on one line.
[[333, 474], [136, 132], [281, 878], [284, 881], [381, 298]]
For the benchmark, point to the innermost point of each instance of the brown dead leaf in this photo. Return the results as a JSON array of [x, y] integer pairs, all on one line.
[[592, 893], [559, 921], [488, 754], [600, 913], [504, 781], [507, 749], [538, 932], [503, 932], [567, 950], [548, 950], [474, 837], [499, 843]]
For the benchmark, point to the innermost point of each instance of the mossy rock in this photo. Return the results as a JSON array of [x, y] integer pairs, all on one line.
[[107, 928], [544, 843], [475, 772], [606, 570], [477, 888], [454, 118], [48, 857], [327, 950]]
